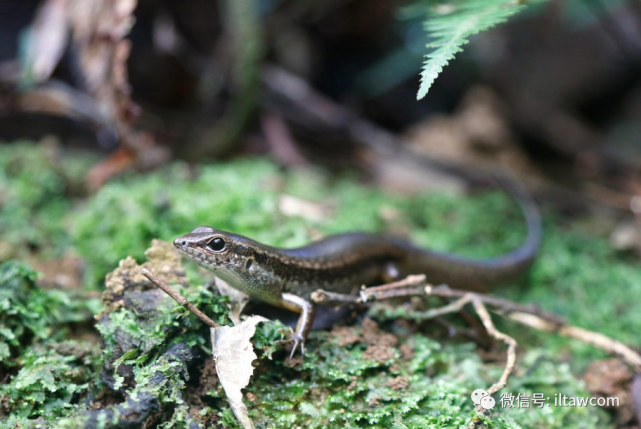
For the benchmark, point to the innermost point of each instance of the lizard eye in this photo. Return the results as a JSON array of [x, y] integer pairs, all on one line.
[[217, 244]]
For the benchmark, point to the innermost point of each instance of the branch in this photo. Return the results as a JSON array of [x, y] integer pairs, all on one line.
[[511, 343], [595, 339], [179, 298], [530, 315], [391, 289]]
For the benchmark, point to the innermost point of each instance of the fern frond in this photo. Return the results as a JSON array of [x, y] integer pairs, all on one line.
[[451, 24]]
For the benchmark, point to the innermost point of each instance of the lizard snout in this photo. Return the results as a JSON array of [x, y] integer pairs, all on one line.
[[180, 243]]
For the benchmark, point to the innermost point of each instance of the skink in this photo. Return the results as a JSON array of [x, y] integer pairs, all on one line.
[[342, 263]]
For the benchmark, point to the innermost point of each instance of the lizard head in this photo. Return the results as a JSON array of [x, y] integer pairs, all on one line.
[[232, 258], [212, 248], [227, 255]]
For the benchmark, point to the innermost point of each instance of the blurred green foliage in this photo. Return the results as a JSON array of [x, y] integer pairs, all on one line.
[[243, 197], [36, 190]]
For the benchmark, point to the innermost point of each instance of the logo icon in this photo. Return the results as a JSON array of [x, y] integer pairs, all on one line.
[[477, 395], [480, 397], [488, 402]]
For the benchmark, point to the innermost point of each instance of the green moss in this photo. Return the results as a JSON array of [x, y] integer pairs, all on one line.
[[29, 314], [48, 384], [336, 385], [52, 373]]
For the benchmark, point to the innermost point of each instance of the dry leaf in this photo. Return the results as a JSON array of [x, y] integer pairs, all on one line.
[[477, 135], [97, 29], [233, 354], [625, 236], [307, 209], [46, 42]]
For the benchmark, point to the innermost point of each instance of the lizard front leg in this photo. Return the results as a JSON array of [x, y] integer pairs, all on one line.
[[305, 321]]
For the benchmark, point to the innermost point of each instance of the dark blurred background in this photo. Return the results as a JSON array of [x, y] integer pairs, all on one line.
[[553, 95]]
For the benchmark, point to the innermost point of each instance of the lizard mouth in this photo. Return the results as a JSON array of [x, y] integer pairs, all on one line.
[[183, 248]]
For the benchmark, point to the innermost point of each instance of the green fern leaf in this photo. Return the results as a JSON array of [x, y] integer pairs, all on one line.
[[450, 25]]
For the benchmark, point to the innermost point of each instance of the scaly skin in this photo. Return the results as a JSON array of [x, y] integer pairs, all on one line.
[[342, 263]]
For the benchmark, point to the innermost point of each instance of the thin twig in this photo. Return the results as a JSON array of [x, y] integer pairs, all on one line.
[[412, 280], [452, 307], [530, 315], [388, 291], [599, 341], [179, 298], [332, 298], [481, 310], [504, 304], [392, 293]]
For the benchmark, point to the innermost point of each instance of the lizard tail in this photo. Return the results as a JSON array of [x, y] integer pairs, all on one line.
[[482, 274]]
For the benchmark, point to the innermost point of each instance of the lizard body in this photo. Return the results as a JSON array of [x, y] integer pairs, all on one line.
[[342, 263]]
